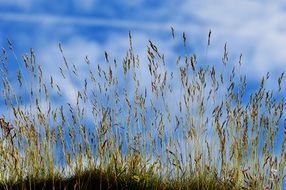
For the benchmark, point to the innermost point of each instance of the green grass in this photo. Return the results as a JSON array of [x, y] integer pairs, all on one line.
[[96, 179], [137, 125]]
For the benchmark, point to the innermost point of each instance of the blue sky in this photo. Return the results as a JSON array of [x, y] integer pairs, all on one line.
[[89, 27]]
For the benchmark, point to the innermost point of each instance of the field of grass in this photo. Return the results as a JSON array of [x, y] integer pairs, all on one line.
[[140, 123]]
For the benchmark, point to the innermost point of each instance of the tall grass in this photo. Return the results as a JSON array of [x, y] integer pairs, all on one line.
[[134, 124]]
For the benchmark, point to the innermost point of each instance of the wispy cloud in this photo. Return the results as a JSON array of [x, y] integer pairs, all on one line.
[[48, 19], [27, 4], [254, 28]]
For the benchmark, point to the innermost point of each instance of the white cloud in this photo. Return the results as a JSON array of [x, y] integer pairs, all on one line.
[[75, 51], [85, 5], [255, 28]]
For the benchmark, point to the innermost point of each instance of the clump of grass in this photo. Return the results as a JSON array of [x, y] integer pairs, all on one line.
[[182, 125]]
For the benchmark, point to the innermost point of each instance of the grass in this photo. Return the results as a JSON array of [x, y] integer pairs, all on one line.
[[97, 179], [140, 125]]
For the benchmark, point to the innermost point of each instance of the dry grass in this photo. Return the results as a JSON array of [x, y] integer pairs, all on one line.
[[183, 125]]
